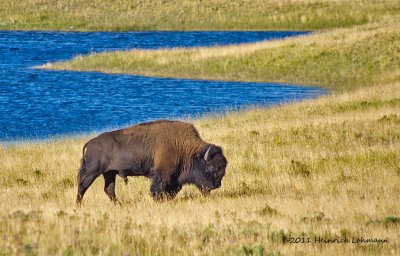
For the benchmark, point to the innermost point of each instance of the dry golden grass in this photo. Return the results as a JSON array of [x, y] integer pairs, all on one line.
[[328, 167]]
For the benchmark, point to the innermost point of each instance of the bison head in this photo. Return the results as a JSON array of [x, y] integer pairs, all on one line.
[[209, 169]]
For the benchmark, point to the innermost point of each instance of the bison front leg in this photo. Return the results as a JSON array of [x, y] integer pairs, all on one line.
[[164, 190], [172, 189], [157, 188], [109, 185]]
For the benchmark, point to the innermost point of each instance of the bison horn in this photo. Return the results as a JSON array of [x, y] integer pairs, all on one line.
[[206, 154]]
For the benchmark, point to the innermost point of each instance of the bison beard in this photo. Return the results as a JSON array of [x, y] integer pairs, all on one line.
[[171, 153]]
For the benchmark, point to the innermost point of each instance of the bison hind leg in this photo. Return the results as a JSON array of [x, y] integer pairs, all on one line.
[[109, 185], [84, 183]]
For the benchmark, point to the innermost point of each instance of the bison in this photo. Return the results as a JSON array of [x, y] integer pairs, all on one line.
[[170, 153]]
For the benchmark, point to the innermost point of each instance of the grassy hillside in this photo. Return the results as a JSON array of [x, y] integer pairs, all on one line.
[[339, 59], [328, 167], [190, 14]]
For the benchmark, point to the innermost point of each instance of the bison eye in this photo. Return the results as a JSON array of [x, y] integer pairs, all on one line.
[[211, 169]]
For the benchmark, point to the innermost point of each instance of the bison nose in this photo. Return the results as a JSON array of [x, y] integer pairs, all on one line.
[[218, 185]]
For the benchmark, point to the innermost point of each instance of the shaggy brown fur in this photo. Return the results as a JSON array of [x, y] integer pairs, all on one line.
[[171, 153]]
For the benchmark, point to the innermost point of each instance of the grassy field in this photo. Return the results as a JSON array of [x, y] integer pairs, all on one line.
[[190, 14], [339, 59], [322, 168]]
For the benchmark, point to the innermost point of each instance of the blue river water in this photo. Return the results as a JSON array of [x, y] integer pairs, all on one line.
[[38, 103]]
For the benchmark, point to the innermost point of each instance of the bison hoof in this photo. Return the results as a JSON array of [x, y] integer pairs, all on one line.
[[205, 192], [116, 202], [161, 197], [79, 200]]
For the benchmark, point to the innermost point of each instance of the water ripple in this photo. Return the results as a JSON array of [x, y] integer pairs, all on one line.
[[40, 103]]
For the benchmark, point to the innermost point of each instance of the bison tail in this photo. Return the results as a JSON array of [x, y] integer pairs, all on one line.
[[82, 168]]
